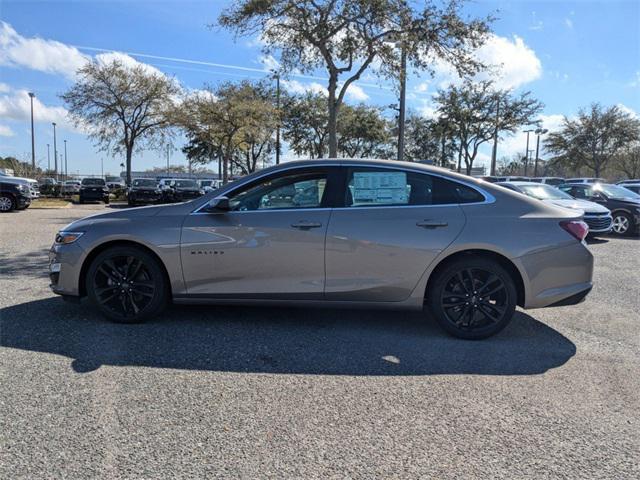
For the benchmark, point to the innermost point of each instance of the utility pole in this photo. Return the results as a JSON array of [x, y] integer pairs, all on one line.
[[278, 124], [102, 167], [55, 151], [167, 158], [33, 141], [48, 159], [539, 132], [494, 152], [66, 169], [526, 152], [403, 94]]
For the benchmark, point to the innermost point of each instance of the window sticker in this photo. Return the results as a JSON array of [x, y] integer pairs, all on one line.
[[380, 188]]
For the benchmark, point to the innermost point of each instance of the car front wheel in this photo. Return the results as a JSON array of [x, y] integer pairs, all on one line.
[[127, 284], [472, 298], [7, 203], [622, 224]]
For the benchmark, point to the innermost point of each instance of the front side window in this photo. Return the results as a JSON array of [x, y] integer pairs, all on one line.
[[369, 186], [303, 190]]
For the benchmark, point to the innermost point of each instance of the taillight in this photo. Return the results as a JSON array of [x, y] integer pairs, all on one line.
[[577, 228]]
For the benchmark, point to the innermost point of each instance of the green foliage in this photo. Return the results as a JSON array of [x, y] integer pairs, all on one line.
[[593, 138], [347, 36]]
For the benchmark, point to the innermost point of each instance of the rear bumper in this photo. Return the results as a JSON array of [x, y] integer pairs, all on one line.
[[557, 275]]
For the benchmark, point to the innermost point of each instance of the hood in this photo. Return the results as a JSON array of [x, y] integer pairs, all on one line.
[[14, 180], [577, 204], [115, 216]]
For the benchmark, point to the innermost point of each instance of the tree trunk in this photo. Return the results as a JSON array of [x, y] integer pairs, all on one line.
[[460, 157], [333, 116], [225, 167], [128, 165]]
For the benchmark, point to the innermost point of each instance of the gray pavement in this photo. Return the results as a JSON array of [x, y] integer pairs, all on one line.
[[291, 393]]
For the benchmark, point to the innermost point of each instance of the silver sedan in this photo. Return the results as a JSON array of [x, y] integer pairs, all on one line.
[[345, 233]]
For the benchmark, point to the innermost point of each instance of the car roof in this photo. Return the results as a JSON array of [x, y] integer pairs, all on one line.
[[522, 182]]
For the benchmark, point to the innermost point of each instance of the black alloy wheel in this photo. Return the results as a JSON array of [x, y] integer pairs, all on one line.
[[473, 299], [127, 284]]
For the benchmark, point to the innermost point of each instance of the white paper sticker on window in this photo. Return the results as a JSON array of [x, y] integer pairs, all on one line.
[[381, 188]]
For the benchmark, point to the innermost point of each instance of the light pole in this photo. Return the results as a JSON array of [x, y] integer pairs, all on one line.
[[55, 152], [539, 132], [494, 151], [62, 167], [526, 152], [278, 124], [403, 94], [66, 170], [33, 141], [102, 167], [48, 160]]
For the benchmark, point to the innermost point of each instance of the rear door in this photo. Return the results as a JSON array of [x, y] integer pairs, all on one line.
[[391, 226]]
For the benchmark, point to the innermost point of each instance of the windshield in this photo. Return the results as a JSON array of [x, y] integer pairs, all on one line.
[[616, 191], [186, 184], [142, 182], [72, 182], [93, 181], [544, 192], [206, 183]]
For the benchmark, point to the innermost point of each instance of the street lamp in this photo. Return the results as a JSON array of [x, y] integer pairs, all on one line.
[[33, 141], [539, 131], [55, 151], [526, 154], [48, 160], [66, 171]]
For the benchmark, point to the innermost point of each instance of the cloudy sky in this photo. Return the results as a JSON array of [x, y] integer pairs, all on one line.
[[568, 54]]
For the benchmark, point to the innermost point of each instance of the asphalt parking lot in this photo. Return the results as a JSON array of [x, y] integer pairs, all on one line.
[[273, 393]]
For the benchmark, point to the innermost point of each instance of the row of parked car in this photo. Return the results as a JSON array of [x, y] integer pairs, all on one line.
[[606, 207], [145, 191]]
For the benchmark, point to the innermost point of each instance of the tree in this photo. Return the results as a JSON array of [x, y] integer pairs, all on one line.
[[362, 132], [124, 108], [594, 137], [235, 121], [628, 161], [347, 36], [305, 124], [428, 140], [472, 108]]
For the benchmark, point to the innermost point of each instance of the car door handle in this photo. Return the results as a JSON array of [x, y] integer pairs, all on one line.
[[431, 224], [303, 225]]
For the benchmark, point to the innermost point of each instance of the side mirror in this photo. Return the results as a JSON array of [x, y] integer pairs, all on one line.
[[218, 205]]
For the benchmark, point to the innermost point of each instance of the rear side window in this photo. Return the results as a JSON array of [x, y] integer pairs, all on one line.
[[370, 186]]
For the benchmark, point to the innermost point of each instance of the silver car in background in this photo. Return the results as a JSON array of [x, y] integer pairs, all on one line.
[[340, 233], [597, 217]]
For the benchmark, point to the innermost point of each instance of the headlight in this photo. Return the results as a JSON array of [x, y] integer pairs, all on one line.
[[64, 238], [21, 187], [201, 192]]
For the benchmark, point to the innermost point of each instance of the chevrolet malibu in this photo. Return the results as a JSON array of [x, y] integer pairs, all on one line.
[[340, 233]]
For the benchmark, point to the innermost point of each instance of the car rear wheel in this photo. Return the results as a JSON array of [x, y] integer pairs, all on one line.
[[127, 284], [622, 224], [472, 298], [7, 203]]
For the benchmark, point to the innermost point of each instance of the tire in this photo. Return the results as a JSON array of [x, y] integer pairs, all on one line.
[[454, 298], [7, 203], [623, 224], [106, 201], [122, 299]]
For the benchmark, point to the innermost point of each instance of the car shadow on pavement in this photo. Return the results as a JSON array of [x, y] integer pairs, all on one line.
[[280, 341], [31, 264]]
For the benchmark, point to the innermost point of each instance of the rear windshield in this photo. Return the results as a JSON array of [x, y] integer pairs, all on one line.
[[186, 184], [93, 181], [143, 182], [544, 192]]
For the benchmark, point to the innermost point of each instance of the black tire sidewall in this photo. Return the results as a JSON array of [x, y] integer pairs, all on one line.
[[160, 298], [439, 282]]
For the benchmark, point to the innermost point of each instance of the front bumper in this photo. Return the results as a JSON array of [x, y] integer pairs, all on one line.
[[65, 262], [23, 201], [598, 223], [144, 196], [90, 194], [555, 275]]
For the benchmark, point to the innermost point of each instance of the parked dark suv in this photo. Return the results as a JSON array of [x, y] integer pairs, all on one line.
[[182, 190], [14, 195], [623, 203], [143, 191], [94, 189]]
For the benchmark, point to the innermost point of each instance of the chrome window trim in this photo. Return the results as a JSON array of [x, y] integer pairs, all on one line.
[[488, 197]]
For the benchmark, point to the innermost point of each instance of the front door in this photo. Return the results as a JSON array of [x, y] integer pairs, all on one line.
[[270, 244]]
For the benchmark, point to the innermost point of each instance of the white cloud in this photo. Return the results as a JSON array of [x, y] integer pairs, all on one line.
[[16, 105], [356, 93], [511, 64], [6, 131], [38, 54], [127, 60], [269, 62], [4, 87], [629, 111], [294, 86], [517, 143], [636, 81], [568, 22]]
